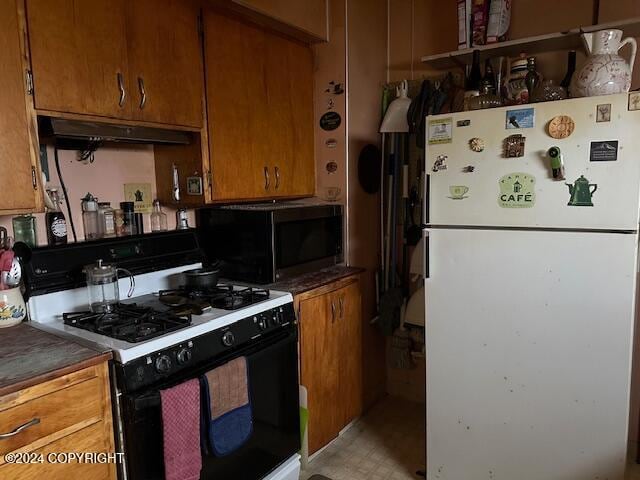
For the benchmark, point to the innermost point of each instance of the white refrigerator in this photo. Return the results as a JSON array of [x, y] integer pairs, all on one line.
[[530, 290]]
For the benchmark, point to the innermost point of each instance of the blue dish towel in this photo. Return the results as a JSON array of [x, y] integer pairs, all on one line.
[[226, 407]]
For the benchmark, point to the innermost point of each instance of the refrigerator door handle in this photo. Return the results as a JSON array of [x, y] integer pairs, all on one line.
[[426, 255]]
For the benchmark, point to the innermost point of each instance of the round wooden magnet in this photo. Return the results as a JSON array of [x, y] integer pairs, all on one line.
[[561, 126]]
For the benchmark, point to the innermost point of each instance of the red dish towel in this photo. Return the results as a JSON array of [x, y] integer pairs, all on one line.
[[181, 431]]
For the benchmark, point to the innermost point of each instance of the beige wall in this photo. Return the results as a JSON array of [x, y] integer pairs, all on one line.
[[366, 67], [104, 178]]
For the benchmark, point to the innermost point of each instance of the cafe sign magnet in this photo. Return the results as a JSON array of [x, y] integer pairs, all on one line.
[[517, 190]]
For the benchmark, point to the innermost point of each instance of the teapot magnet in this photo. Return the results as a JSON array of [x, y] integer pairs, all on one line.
[[581, 192]]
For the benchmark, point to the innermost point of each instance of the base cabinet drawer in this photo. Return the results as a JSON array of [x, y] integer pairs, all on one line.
[[79, 405], [55, 467]]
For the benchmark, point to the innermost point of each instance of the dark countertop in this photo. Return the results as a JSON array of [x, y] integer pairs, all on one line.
[[29, 356], [309, 281]]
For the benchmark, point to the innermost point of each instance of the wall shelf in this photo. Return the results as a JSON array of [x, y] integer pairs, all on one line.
[[531, 45]]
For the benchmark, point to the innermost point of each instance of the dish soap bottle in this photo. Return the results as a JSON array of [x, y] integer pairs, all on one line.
[[56, 222], [158, 218]]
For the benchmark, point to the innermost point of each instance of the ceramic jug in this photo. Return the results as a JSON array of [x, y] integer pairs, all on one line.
[[12, 307], [605, 72]]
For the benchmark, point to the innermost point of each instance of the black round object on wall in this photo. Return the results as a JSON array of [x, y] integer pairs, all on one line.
[[330, 121], [369, 163]]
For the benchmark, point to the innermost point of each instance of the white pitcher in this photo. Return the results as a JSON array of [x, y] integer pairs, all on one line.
[[605, 72]]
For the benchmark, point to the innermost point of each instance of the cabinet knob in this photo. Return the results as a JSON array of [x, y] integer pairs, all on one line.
[[266, 178], [143, 93], [277, 172]]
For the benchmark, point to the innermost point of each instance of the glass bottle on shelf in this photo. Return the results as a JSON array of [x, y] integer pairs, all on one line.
[[532, 79], [90, 217], [158, 218], [475, 76], [489, 77], [106, 220], [55, 221]]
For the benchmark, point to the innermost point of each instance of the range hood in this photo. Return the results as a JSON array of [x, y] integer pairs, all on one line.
[[75, 134]]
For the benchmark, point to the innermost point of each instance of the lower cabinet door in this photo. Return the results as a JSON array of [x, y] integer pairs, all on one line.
[[350, 333], [320, 366]]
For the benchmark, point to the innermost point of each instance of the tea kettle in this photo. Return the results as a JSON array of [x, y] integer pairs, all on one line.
[[102, 284], [581, 192]]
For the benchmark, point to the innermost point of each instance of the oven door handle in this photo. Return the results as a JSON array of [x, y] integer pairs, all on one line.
[[141, 403]]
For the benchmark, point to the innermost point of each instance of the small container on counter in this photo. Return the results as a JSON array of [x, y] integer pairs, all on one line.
[[24, 229], [128, 218], [118, 222], [139, 224], [158, 218], [106, 221], [90, 217], [55, 220], [182, 221]]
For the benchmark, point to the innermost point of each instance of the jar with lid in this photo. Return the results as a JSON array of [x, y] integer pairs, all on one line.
[[128, 218], [106, 220], [24, 229], [158, 218], [118, 222], [515, 85], [90, 217]]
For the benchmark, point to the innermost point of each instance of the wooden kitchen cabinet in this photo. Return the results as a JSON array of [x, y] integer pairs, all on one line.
[[165, 61], [331, 358], [260, 111], [18, 138], [79, 56], [70, 413], [137, 61], [309, 17]]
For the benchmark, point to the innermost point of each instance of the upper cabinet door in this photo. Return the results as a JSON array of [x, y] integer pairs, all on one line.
[[237, 108], [15, 152], [165, 61], [289, 80], [79, 56]]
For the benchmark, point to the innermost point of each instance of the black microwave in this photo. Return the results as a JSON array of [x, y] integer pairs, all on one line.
[[265, 243]]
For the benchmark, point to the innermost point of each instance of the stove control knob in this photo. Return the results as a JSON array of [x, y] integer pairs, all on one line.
[[163, 364], [183, 356], [228, 339]]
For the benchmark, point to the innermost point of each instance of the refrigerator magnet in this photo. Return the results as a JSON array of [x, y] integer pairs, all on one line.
[[603, 113], [476, 144], [463, 123], [520, 118], [440, 131], [581, 192], [514, 146], [517, 190], [440, 164], [634, 101], [330, 121], [561, 126], [458, 192], [604, 151]]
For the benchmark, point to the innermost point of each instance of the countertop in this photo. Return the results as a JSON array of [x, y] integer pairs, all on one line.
[[309, 281], [29, 356]]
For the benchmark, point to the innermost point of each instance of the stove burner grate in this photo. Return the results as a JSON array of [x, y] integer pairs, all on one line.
[[130, 322], [222, 296]]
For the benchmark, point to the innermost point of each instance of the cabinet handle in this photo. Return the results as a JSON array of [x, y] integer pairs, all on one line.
[[123, 92], [333, 311], [143, 93], [266, 178], [277, 172], [22, 427], [341, 301]]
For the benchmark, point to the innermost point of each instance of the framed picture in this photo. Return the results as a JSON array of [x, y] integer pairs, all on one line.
[[140, 195], [603, 112], [194, 186]]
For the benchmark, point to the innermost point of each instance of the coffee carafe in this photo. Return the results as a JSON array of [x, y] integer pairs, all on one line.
[[102, 283]]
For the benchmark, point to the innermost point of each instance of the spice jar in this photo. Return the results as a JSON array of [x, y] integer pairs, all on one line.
[[128, 218], [118, 222], [158, 218], [90, 217], [106, 220]]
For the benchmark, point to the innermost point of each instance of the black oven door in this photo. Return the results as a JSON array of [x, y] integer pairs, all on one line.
[[273, 380]]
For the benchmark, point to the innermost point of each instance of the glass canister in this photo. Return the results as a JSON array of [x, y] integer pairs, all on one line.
[[106, 220], [128, 218], [102, 285], [90, 217], [24, 229]]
